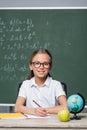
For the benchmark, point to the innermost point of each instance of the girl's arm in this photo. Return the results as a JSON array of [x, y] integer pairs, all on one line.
[[20, 107], [62, 105]]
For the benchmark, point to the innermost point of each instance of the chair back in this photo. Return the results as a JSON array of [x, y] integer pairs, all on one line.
[[64, 87]]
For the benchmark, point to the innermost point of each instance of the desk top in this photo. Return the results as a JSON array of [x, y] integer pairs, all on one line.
[[51, 122]]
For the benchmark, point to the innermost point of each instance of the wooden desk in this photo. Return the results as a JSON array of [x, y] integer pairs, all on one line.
[[51, 123]]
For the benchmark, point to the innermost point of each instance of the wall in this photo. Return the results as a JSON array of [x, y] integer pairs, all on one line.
[[43, 3]]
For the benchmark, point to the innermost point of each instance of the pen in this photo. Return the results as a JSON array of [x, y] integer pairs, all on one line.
[[36, 103]]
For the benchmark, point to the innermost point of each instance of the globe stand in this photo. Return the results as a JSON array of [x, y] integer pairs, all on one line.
[[75, 117]]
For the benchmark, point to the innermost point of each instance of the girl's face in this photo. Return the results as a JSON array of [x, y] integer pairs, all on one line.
[[40, 65]]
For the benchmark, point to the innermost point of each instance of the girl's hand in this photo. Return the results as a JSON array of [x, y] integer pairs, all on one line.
[[40, 111]]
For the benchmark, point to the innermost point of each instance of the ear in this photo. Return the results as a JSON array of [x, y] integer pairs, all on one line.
[[30, 66]]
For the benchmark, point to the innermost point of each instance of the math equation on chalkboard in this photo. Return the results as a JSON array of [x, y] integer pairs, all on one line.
[[17, 39]]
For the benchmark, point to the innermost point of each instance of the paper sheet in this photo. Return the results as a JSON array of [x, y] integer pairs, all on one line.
[[33, 116]]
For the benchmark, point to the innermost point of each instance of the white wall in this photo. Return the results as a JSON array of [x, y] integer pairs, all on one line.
[[43, 3]]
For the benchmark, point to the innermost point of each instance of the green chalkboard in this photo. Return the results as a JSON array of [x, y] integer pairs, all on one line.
[[62, 31]]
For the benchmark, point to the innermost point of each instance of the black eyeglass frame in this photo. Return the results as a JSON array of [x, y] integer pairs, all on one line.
[[38, 64]]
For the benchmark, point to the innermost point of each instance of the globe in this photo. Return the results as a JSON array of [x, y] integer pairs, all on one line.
[[76, 103]]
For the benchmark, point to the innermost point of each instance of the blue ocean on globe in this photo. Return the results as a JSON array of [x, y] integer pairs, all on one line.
[[75, 103]]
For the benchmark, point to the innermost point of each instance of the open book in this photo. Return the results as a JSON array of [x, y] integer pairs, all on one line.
[[19, 116]]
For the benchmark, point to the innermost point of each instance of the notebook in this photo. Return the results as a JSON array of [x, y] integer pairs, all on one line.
[[12, 116]]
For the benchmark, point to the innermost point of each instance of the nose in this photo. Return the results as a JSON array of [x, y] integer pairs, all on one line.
[[42, 65]]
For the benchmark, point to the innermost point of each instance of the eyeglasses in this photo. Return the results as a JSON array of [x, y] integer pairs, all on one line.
[[38, 64]]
